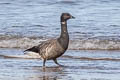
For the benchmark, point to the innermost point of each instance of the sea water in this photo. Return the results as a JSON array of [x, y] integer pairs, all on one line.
[[93, 52], [97, 23]]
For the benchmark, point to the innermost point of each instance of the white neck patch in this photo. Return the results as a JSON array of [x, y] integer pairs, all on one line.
[[63, 22]]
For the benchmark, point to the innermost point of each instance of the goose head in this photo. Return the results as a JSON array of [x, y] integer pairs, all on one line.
[[66, 16]]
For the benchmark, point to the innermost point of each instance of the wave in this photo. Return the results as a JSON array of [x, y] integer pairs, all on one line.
[[91, 59], [95, 44], [9, 41], [76, 44]]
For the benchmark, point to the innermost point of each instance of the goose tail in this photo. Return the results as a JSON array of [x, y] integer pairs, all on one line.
[[33, 49]]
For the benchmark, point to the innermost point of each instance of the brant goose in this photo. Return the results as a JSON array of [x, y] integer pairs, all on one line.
[[52, 49]]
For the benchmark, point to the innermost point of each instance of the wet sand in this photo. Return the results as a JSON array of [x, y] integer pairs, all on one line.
[[78, 65]]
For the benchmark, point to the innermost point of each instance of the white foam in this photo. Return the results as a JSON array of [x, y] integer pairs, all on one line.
[[94, 45], [19, 43], [89, 44]]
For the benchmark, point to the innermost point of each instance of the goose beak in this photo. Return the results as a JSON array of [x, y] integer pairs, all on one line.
[[72, 17]]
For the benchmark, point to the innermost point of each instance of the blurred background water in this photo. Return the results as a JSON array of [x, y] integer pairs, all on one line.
[[95, 19]]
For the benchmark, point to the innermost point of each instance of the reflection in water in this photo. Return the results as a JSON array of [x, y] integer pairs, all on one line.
[[46, 73], [46, 76], [47, 70]]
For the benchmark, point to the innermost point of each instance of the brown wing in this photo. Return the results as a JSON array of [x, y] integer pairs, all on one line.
[[41, 48], [45, 45], [50, 49]]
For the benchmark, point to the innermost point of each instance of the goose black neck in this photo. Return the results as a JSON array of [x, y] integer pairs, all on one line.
[[64, 31], [64, 37]]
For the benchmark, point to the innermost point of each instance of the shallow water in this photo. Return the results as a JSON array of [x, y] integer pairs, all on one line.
[[76, 67]]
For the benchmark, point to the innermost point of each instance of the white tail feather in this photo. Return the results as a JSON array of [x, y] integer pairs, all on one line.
[[28, 55]]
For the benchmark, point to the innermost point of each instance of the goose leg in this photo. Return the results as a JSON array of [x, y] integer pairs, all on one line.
[[55, 60], [44, 62]]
